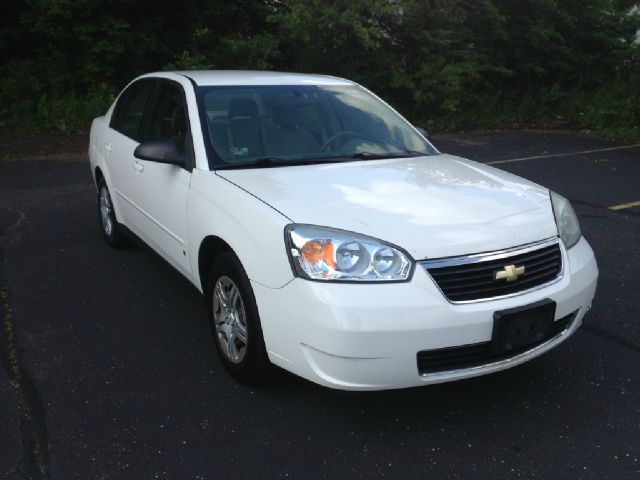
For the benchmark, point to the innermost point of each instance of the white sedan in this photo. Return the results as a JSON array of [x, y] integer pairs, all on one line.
[[330, 238]]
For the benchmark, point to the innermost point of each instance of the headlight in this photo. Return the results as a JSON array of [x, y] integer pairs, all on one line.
[[566, 220], [320, 253]]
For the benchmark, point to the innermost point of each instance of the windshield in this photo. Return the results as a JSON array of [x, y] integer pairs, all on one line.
[[267, 125]]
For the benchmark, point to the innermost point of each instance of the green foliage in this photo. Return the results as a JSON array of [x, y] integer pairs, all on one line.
[[445, 64], [71, 113]]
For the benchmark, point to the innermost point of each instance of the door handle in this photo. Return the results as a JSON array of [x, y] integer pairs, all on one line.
[[107, 147], [138, 166]]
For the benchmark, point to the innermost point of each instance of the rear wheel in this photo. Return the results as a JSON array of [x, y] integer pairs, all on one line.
[[111, 229], [235, 322]]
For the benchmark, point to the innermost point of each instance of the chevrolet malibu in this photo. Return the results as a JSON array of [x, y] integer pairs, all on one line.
[[330, 237]]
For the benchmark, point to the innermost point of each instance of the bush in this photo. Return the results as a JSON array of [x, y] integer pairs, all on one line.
[[445, 64], [71, 112]]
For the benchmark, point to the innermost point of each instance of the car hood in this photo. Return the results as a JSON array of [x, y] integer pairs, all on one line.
[[435, 206]]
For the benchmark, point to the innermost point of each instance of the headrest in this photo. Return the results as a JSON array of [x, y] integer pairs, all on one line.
[[292, 99], [288, 108], [243, 107]]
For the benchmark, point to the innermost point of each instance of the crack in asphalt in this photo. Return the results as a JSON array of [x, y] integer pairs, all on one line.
[[15, 230], [35, 462], [610, 336]]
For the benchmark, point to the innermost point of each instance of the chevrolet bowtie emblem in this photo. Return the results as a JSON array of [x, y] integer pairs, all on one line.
[[510, 273]]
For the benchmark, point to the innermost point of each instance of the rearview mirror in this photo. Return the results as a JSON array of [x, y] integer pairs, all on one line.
[[423, 132], [163, 150]]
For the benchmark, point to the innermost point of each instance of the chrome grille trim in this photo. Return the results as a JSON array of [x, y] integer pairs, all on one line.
[[492, 256]]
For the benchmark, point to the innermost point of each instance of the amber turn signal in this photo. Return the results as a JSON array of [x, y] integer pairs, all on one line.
[[316, 251]]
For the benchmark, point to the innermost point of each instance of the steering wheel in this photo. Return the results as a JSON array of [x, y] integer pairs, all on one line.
[[338, 135]]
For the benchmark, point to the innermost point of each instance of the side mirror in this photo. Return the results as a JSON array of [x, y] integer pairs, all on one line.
[[163, 150], [424, 133]]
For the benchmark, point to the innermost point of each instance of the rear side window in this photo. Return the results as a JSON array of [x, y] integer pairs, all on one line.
[[130, 109]]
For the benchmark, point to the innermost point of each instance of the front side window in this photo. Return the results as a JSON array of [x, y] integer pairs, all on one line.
[[167, 117], [130, 108], [281, 125]]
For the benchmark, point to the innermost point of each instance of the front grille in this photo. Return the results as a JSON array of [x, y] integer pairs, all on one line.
[[465, 279], [478, 354]]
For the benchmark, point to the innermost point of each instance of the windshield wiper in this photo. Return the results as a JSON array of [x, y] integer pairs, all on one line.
[[375, 156], [264, 162], [369, 155], [416, 153], [268, 162]]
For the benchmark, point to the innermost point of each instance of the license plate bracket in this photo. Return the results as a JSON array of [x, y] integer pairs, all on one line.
[[517, 328]]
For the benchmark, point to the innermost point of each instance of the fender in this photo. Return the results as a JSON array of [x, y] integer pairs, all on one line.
[[251, 227]]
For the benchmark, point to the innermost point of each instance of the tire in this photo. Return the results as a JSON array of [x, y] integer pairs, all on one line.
[[234, 320], [111, 229]]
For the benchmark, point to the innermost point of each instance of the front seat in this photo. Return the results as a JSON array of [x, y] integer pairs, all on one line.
[[289, 137], [244, 129], [178, 127]]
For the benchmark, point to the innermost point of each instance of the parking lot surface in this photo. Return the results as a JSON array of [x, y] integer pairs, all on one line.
[[108, 370]]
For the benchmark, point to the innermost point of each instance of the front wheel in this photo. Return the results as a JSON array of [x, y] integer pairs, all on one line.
[[235, 323]]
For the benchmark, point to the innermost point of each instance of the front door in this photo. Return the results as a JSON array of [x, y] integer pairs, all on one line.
[[160, 190]]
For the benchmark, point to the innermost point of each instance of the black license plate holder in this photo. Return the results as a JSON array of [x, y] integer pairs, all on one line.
[[517, 328]]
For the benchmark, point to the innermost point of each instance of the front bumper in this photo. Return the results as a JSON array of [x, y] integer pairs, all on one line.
[[366, 337]]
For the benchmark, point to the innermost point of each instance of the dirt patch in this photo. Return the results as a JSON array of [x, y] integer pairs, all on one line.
[[19, 145]]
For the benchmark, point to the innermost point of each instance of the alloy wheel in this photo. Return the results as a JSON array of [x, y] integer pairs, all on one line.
[[106, 210], [230, 319]]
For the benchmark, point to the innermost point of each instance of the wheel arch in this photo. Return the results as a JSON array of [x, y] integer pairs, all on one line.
[[100, 172], [210, 248], [98, 175]]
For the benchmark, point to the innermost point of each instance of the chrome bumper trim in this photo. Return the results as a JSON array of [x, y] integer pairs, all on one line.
[[511, 361]]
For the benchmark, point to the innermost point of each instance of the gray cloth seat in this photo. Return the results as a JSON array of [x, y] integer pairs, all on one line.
[[179, 127], [245, 133], [290, 142], [285, 134], [219, 132]]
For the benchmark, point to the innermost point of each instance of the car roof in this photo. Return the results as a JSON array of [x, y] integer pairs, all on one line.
[[249, 77]]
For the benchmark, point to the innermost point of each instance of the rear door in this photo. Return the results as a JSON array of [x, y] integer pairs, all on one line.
[[160, 190], [120, 140]]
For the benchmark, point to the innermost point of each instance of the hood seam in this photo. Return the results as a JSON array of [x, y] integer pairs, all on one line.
[[255, 196]]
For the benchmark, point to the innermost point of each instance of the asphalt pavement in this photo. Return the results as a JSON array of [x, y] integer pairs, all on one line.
[[108, 371]]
